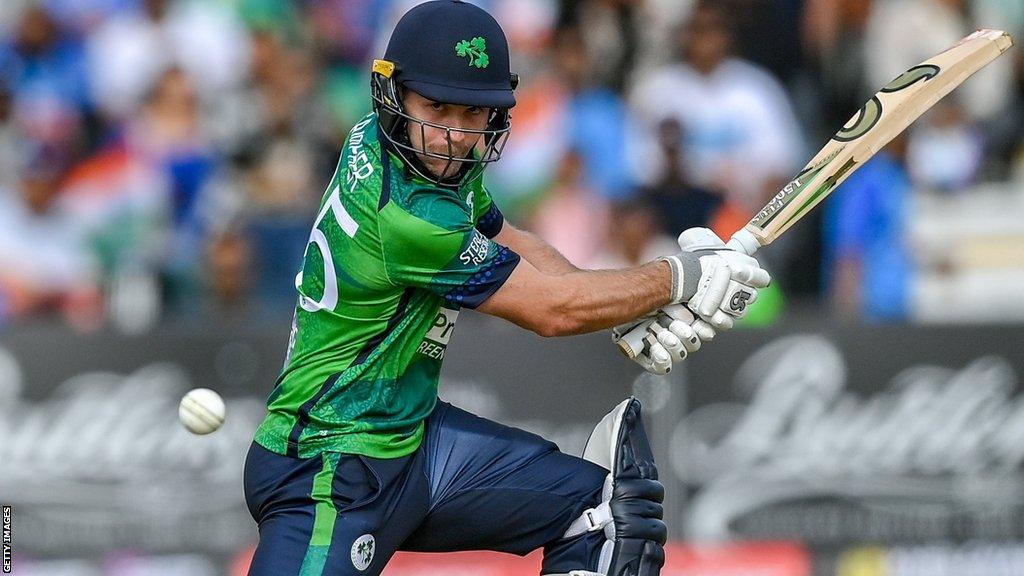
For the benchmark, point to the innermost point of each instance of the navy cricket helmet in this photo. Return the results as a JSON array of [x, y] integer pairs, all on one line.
[[452, 52]]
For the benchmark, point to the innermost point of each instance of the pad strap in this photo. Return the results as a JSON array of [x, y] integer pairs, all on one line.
[[591, 520]]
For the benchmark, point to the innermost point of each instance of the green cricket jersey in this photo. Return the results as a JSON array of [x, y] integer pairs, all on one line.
[[390, 261]]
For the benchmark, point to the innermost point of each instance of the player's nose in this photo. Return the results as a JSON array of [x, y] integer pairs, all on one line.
[[457, 136]]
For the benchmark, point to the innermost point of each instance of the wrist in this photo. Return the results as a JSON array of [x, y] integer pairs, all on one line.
[[686, 272], [676, 275]]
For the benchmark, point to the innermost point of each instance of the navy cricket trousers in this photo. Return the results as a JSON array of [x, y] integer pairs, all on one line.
[[472, 485]]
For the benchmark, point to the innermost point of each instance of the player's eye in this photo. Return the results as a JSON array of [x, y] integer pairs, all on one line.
[[474, 110], [436, 106]]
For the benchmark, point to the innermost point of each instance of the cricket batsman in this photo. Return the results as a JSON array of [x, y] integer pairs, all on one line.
[[357, 458]]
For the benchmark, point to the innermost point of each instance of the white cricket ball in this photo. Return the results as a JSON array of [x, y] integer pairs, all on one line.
[[201, 411]]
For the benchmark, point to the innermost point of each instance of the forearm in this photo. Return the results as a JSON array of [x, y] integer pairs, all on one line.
[[580, 301], [600, 299]]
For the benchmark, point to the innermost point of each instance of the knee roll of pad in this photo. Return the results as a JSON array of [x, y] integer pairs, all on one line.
[[630, 513]]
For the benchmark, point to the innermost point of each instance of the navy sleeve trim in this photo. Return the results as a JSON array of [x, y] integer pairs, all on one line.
[[486, 282], [490, 223]]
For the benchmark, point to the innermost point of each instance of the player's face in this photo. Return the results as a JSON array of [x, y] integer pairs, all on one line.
[[455, 142]]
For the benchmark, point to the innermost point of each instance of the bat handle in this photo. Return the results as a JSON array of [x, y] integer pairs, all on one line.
[[633, 342], [744, 241]]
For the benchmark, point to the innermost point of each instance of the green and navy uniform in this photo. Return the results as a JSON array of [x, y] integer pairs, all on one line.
[[390, 262], [357, 458]]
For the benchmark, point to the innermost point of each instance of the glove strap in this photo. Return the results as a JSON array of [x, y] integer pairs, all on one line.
[[677, 277], [686, 273]]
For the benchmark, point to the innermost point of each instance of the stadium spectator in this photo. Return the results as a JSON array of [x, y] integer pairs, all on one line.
[[529, 160], [528, 163], [762, 23], [834, 54], [567, 107], [169, 134], [636, 238], [240, 115], [122, 201], [82, 17], [281, 166], [611, 38], [46, 264], [572, 217], [868, 261], [279, 100], [945, 150], [673, 200], [343, 30], [681, 204], [902, 33], [229, 271], [129, 52], [45, 72], [11, 15], [595, 117], [11, 143], [169, 138], [740, 133]]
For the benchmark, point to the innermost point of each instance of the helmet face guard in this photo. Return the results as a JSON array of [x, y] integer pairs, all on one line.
[[396, 123]]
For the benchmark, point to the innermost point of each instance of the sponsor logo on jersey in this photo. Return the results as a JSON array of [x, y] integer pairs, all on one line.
[[435, 342], [477, 250], [444, 324], [359, 165]]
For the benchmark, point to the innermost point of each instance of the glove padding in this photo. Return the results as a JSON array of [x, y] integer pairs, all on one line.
[[728, 279], [716, 283], [659, 339]]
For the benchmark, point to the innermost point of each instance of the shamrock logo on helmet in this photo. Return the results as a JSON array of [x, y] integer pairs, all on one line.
[[476, 50]]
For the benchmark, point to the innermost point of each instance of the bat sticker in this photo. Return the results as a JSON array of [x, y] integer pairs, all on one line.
[[913, 76], [865, 120]]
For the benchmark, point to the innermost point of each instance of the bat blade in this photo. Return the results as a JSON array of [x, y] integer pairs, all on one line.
[[882, 118]]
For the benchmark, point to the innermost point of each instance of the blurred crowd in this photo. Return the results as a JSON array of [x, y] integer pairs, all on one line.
[[166, 157]]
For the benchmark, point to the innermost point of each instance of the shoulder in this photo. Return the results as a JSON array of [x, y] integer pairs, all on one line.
[[361, 170], [424, 227], [440, 207]]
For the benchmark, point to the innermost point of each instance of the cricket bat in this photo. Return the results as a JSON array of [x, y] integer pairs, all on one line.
[[878, 121]]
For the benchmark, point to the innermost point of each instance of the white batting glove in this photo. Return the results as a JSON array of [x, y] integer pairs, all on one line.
[[722, 284], [661, 338], [715, 283]]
